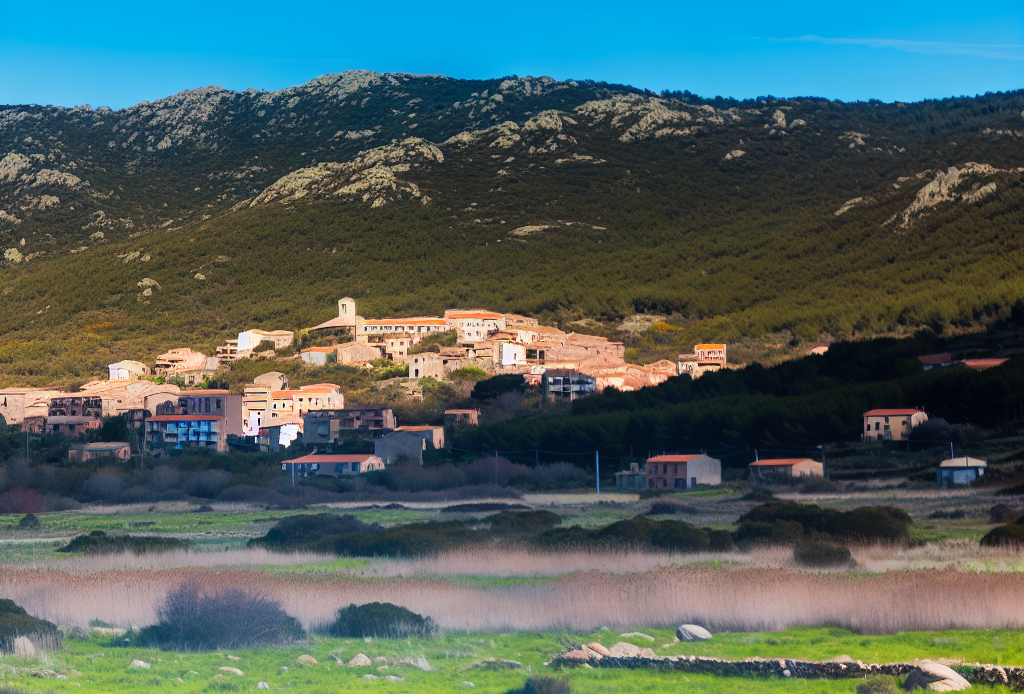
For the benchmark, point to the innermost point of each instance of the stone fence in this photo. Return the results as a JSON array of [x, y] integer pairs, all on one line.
[[1012, 677]]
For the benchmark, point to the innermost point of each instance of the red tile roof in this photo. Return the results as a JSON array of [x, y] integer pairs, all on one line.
[[780, 462], [338, 458], [671, 458], [184, 417], [936, 359], [891, 413], [982, 363]]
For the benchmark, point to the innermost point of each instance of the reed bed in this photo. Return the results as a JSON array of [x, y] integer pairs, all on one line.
[[723, 598], [170, 507]]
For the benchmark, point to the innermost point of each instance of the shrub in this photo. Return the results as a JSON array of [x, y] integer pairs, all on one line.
[[496, 385], [192, 621], [665, 508], [313, 532], [1001, 513], [544, 684], [780, 532], [523, 522], [866, 523], [877, 685], [29, 522], [1009, 535], [20, 500], [821, 554], [407, 540], [15, 622], [640, 532], [380, 620], [98, 542], [819, 485]]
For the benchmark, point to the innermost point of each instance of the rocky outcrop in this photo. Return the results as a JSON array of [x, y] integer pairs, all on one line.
[[943, 188], [692, 632], [643, 118], [936, 678]]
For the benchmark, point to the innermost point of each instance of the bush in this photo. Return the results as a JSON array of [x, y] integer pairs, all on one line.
[[523, 522], [380, 620], [192, 621], [819, 485], [665, 508], [98, 542], [496, 385], [821, 554], [640, 532], [314, 532], [780, 532], [864, 524], [1009, 535], [15, 622], [29, 522], [1001, 513], [544, 684], [21, 500]]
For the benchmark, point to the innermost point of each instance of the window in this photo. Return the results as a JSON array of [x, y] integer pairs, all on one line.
[[877, 425], [218, 404]]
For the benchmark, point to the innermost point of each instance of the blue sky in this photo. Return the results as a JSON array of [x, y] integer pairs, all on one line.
[[119, 53]]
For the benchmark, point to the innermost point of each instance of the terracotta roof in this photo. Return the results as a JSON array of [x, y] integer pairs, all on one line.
[[780, 462], [462, 411], [671, 458], [320, 388], [184, 417], [325, 350], [982, 363], [417, 428], [891, 413], [338, 322], [193, 393], [419, 320], [935, 359], [709, 346], [337, 458]]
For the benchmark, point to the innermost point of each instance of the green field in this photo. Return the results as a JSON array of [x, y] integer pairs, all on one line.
[[105, 669]]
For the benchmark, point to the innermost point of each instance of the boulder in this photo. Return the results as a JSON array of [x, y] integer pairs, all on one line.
[[232, 670], [842, 659], [935, 677], [637, 635], [648, 653], [283, 669], [23, 647], [624, 650], [140, 663], [233, 657], [360, 660], [394, 678], [577, 656], [262, 685], [467, 683], [418, 663], [598, 648], [692, 632], [369, 678], [306, 660]]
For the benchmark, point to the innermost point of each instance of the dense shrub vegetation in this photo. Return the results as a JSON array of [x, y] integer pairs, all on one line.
[[522, 522], [191, 620], [816, 553], [99, 542], [15, 622], [1009, 535], [785, 522], [641, 533], [380, 620]]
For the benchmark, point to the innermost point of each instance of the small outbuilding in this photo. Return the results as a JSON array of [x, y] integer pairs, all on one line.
[[337, 465], [84, 452], [786, 467], [956, 471], [633, 478], [682, 471]]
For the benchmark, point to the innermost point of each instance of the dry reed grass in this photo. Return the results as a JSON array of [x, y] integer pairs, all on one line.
[[170, 507], [725, 599]]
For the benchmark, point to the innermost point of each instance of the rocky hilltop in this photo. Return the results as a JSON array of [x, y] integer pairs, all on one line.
[[573, 200]]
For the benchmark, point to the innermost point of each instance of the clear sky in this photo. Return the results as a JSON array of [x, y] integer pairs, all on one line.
[[115, 53]]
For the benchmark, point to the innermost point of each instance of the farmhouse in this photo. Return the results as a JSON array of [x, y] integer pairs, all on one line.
[[786, 467], [706, 358], [454, 418], [682, 471], [84, 452], [957, 471], [891, 425], [69, 425], [334, 465]]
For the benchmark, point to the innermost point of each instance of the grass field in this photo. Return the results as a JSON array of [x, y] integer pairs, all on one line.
[[943, 597]]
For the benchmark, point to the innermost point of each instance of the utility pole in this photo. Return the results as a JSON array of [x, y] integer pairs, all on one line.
[[597, 469]]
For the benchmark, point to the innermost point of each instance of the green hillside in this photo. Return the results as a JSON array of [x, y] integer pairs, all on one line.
[[591, 202]]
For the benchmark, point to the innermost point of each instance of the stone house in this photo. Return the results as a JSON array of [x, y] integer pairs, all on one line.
[[892, 425], [457, 418], [335, 465], [84, 452], [682, 471], [633, 478], [426, 365], [767, 468]]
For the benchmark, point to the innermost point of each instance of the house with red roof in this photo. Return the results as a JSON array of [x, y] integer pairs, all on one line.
[[336, 465], [892, 424], [682, 471], [786, 467]]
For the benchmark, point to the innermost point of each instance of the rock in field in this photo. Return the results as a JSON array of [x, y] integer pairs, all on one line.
[[306, 660], [598, 648], [578, 656], [418, 663], [637, 635], [624, 650], [648, 653], [692, 632], [262, 685], [369, 678], [935, 678], [139, 663], [232, 670], [283, 669], [360, 660]]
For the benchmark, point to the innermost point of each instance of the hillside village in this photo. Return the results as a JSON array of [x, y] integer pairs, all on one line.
[[174, 406]]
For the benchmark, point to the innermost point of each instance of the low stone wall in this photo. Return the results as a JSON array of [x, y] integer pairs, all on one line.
[[1012, 677]]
